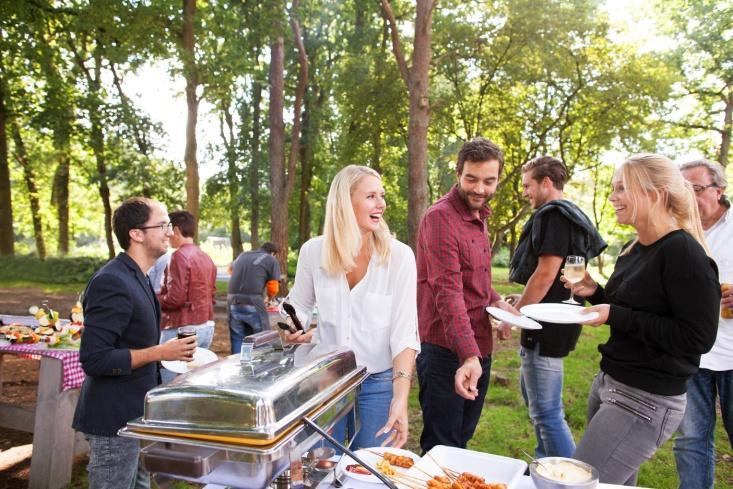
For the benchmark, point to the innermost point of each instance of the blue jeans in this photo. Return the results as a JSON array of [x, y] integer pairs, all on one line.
[[541, 384], [243, 321], [448, 419], [113, 463], [374, 400], [625, 427], [204, 337], [694, 447]]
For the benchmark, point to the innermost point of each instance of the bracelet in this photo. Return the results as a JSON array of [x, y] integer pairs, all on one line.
[[401, 375]]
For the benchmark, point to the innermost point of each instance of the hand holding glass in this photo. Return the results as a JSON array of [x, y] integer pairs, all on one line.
[[574, 272]]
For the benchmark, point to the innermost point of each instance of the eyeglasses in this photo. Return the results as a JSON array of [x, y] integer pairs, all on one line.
[[700, 188], [165, 227]]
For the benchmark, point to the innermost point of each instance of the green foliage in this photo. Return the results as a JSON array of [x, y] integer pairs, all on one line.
[[51, 271]]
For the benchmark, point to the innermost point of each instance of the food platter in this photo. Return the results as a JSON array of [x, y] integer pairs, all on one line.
[[372, 457], [494, 469]]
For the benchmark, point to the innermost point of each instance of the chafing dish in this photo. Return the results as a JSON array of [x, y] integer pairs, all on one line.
[[239, 424]]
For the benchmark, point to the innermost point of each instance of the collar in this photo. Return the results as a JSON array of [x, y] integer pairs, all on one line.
[[721, 221], [455, 199]]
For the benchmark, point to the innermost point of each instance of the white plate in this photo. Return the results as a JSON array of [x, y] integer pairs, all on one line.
[[201, 356], [519, 321], [558, 313], [494, 468], [371, 458]]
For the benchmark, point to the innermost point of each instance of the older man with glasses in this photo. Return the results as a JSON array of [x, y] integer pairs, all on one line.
[[694, 447]]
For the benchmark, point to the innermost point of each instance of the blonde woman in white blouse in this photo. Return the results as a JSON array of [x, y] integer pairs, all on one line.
[[364, 283]]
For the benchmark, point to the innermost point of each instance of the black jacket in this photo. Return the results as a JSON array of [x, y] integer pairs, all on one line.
[[585, 241], [121, 313]]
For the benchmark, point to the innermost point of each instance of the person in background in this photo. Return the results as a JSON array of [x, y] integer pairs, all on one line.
[[187, 297], [694, 445], [119, 347], [363, 281], [557, 229], [252, 274], [157, 273], [453, 290], [662, 303]]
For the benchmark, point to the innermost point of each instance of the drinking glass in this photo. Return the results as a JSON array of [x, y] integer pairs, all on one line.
[[574, 272]]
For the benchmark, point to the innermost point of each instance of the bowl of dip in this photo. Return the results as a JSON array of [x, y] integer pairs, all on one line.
[[562, 473]]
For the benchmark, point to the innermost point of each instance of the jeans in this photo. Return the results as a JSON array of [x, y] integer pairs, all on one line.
[[694, 447], [448, 419], [243, 321], [204, 337], [374, 400], [113, 463], [541, 384], [626, 425]]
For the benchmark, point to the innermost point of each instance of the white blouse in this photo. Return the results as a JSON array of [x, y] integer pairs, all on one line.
[[377, 319]]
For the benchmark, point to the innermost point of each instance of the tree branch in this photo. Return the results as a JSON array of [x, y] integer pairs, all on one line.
[[396, 46]]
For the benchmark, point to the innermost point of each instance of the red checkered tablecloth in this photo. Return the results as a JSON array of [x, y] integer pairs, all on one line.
[[73, 374]]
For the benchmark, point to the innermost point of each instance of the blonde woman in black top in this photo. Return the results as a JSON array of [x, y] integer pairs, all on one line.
[[661, 303]]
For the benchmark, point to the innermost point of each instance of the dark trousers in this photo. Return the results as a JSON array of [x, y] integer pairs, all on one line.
[[448, 419]]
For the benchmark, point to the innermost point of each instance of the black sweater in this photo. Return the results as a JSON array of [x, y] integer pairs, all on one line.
[[665, 301]]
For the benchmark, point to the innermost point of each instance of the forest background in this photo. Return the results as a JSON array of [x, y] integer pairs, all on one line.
[[294, 91]]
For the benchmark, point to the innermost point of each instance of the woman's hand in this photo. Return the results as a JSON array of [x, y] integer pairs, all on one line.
[[602, 310], [299, 337], [396, 426], [585, 288]]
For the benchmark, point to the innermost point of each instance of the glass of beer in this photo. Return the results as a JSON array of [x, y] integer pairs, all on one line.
[[726, 287], [574, 272], [186, 332]]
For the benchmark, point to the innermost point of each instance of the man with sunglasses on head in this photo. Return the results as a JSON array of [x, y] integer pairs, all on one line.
[[694, 446], [119, 347], [189, 287]]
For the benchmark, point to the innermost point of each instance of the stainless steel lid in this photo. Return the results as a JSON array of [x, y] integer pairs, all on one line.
[[257, 401]]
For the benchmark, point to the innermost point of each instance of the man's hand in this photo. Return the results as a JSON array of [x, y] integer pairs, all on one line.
[[467, 378], [175, 349], [504, 330], [726, 299]]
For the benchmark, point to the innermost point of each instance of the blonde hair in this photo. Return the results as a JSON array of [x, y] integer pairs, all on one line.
[[656, 175], [341, 233]]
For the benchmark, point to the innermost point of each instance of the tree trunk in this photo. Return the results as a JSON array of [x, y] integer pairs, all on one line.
[[254, 170], [60, 193], [97, 143], [236, 235], [725, 134], [30, 182], [7, 236], [192, 102], [276, 150], [417, 81], [306, 175]]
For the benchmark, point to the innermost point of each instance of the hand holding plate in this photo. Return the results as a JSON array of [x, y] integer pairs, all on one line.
[[602, 310]]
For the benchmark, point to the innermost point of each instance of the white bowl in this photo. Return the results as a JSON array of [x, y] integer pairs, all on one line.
[[557, 464]]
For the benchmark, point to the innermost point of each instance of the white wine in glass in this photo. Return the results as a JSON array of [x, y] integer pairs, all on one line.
[[574, 272]]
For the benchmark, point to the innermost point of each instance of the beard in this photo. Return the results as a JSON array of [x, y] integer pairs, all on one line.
[[472, 199]]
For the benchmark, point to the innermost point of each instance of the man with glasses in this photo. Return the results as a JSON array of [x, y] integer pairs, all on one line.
[[119, 347], [189, 287], [694, 447]]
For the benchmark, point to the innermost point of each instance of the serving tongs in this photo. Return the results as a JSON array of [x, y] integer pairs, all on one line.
[[308, 422]]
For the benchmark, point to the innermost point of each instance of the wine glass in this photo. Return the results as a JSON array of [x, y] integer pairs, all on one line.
[[574, 272]]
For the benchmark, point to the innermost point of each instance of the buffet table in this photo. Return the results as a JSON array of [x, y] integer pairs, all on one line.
[[54, 440]]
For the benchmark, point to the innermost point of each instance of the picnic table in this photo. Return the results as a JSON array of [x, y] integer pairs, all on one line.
[[55, 443]]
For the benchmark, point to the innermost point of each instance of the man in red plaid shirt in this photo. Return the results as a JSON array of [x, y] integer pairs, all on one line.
[[453, 290]]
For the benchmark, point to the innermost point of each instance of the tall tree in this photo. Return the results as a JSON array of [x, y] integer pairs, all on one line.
[[417, 81], [7, 235], [282, 177], [188, 44]]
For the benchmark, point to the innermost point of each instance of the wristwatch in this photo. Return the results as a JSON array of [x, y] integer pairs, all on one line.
[[400, 374]]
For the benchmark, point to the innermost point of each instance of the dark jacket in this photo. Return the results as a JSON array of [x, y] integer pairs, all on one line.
[[121, 313], [187, 295], [585, 241]]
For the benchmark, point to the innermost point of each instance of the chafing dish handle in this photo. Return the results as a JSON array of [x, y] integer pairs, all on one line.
[[348, 452]]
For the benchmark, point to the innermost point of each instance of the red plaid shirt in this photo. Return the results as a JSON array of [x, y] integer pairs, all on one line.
[[454, 278]]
